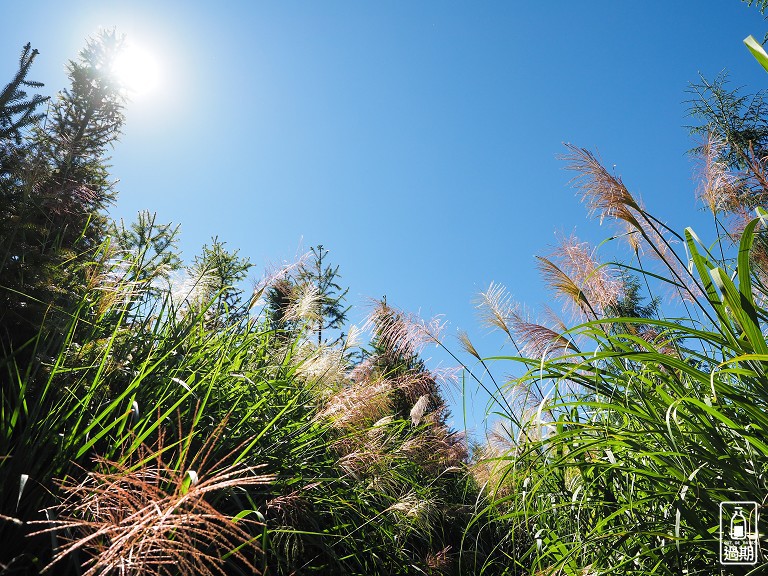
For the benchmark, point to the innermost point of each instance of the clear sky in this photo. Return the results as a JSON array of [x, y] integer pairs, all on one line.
[[416, 140]]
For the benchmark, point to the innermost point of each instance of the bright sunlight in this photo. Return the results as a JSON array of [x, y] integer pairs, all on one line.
[[137, 70]]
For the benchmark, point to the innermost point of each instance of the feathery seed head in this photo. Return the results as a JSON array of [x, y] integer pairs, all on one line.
[[499, 311], [324, 366], [363, 372], [605, 194], [718, 187], [398, 330], [359, 405], [420, 511], [272, 276], [467, 345], [419, 409], [415, 383], [496, 307], [597, 284], [354, 337], [439, 562], [306, 306], [189, 289]]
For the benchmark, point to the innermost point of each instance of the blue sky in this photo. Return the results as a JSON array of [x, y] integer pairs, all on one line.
[[418, 141]]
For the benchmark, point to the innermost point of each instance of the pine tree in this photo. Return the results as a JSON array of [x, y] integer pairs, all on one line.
[[219, 272], [331, 311], [631, 305], [17, 110], [85, 121], [735, 119], [328, 297], [735, 127], [52, 193], [146, 253], [393, 355], [280, 295], [18, 113], [762, 5]]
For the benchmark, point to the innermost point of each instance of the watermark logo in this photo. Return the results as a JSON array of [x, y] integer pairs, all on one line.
[[739, 544]]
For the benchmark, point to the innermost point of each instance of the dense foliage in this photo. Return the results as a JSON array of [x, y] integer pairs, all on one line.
[[155, 418]]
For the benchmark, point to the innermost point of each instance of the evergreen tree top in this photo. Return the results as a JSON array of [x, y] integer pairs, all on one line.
[[17, 109]]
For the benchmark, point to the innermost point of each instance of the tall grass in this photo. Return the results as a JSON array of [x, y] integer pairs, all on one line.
[[633, 429], [153, 425], [148, 439]]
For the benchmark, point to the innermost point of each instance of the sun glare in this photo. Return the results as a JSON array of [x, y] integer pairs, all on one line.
[[137, 70]]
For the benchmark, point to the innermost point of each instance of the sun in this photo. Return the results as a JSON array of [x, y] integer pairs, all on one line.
[[136, 69]]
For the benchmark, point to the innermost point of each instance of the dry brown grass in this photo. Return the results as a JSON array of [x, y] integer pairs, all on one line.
[[439, 562], [145, 516]]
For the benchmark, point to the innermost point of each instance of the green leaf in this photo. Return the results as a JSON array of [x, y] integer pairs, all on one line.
[[703, 268], [743, 311], [757, 51], [190, 479]]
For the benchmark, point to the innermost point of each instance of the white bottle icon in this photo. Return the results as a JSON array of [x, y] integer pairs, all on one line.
[[738, 525]]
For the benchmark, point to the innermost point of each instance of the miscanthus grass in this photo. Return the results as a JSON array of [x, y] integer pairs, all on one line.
[[634, 423], [151, 438]]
